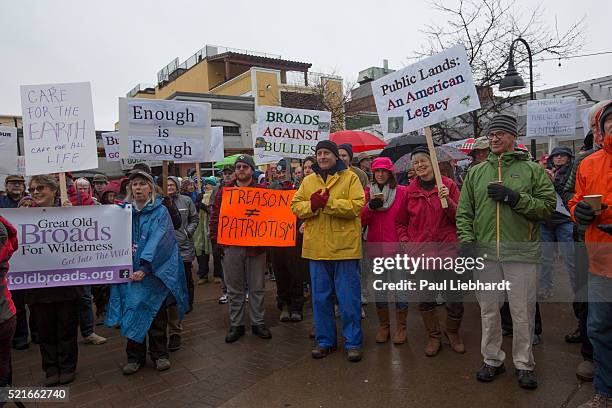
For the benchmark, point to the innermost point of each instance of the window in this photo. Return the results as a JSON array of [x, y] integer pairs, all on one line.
[[231, 130]]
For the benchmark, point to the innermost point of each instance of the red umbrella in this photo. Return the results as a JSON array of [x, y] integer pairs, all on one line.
[[361, 141], [466, 147]]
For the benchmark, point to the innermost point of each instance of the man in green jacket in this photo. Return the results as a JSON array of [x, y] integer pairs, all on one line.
[[502, 202]]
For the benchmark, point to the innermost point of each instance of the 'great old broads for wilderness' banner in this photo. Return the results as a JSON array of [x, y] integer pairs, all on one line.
[[67, 246]]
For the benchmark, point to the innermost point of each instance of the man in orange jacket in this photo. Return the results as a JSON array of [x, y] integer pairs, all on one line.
[[594, 177]]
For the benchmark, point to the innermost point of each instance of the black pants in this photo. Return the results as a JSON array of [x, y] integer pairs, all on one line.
[[506, 318], [7, 330], [189, 278], [58, 324], [157, 338], [100, 294], [21, 328], [289, 278]]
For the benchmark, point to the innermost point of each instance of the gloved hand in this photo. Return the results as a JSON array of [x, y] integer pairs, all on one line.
[[607, 228], [502, 194], [584, 213], [375, 203], [318, 199]]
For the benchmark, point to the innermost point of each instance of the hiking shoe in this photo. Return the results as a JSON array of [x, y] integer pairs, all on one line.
[[353, 355], [130, 368], [527, 379], [487, 373], [66, 378], [296, 317], [162, 364], [585, 371], [284, 316], [174, 343], [322, 352], [223, 299], [598, 401], [234, 333], [261, 331], [94, 339]]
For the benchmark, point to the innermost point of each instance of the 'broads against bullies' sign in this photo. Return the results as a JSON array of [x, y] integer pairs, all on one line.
[[428, 92], [58, 128], [289, 132], [70, 246], [164, 130]]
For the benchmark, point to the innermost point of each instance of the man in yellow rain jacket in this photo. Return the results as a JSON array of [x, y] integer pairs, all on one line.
[[330, 202]]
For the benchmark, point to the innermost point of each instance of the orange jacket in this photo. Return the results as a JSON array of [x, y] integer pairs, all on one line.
[[594, 176]]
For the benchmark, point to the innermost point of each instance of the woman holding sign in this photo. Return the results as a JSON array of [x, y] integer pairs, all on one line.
[[56, 309], [140, 306]]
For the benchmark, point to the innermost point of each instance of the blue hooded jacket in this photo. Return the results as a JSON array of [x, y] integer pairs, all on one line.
[[133, 305]]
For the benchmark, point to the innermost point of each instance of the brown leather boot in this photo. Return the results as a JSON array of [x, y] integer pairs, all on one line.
[[400, 329], [452, 333], [432, 326], [382, 336]]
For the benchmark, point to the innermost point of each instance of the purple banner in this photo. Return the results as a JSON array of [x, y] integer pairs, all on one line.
[[68, 277]]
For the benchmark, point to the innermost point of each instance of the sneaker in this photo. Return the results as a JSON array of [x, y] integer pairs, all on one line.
[[353, 355], [527, 379], [234, 333], [296, 317], [272, 277], [284, 315], [246, 297], [322, 352], [94, 339], [162, 364], [66, 378], [585, 371], [218, 280], [223, 299], [598, 401], [537, 339], [130, 368], [487, 373], [261, 331], [174, 343], [202, 281]]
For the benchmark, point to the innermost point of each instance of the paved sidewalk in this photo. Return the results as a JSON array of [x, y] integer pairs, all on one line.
[[279, 372]]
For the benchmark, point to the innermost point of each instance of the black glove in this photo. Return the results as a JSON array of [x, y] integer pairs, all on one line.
[[584, 213], [607, 228], [375, 203], [467, 249], [503, 194]]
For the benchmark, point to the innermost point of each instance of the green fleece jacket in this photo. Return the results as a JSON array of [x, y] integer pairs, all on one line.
[[518, 225]]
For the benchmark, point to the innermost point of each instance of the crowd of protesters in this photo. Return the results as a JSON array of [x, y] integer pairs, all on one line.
[[349, 212]]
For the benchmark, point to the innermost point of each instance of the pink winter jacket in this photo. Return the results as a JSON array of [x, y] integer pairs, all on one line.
[[382, 238]]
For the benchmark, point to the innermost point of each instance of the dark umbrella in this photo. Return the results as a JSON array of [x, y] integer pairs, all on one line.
[[401, 145], [443, 153]]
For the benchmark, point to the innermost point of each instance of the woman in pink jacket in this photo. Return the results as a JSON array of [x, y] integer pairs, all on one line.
[[430, 229], [383, 202]]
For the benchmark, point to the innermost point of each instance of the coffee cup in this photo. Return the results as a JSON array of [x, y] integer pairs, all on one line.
[[594, 200]]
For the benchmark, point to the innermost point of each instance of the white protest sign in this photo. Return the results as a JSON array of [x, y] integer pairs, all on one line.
[[111, 146], [8, 150], [63, 246], [216, 145], [259, 156], [289, 132], [164, 130], [431, 91], [58, 128], [128, 164], [586, 126], [551, 117]]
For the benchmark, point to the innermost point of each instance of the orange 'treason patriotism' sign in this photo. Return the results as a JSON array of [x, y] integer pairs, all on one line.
[[256, 217]]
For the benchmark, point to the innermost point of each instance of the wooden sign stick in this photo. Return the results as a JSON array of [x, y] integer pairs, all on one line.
[[434, 163], [198, 178], [165, 177], [63, 189]]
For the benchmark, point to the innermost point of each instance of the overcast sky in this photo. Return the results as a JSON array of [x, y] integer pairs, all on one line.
[[116, 44]]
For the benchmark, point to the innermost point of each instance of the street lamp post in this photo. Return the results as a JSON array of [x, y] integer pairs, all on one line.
[[513, 81]]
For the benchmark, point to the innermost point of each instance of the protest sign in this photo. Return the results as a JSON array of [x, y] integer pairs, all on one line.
[[8, 150], [58, 128], [128, 164], [289, 132], [64, 246], [551, 117], [110, 140], [431, 91], [256, 217], [259, 155], [216, 145], [164, 130]]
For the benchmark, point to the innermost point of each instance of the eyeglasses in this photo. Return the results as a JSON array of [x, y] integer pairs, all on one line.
[[38, 189], [242, 166], [498, 135]]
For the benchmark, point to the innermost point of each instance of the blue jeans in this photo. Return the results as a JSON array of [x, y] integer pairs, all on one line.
[[341, 277], [86, 316], [564, 235], [599, 326]]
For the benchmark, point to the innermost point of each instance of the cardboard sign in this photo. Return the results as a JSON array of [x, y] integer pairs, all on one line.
[[110, 140], [64, 246], [58, 128], [256, 217], [164, 130], [551, 117], [8, 150], [289, 132], [431, 91]]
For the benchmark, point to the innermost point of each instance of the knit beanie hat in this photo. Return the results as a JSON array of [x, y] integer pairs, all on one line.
[[329, 145], [504, 122], [348, 147]]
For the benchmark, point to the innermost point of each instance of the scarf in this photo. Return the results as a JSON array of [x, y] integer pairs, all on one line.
[[387, 192]]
